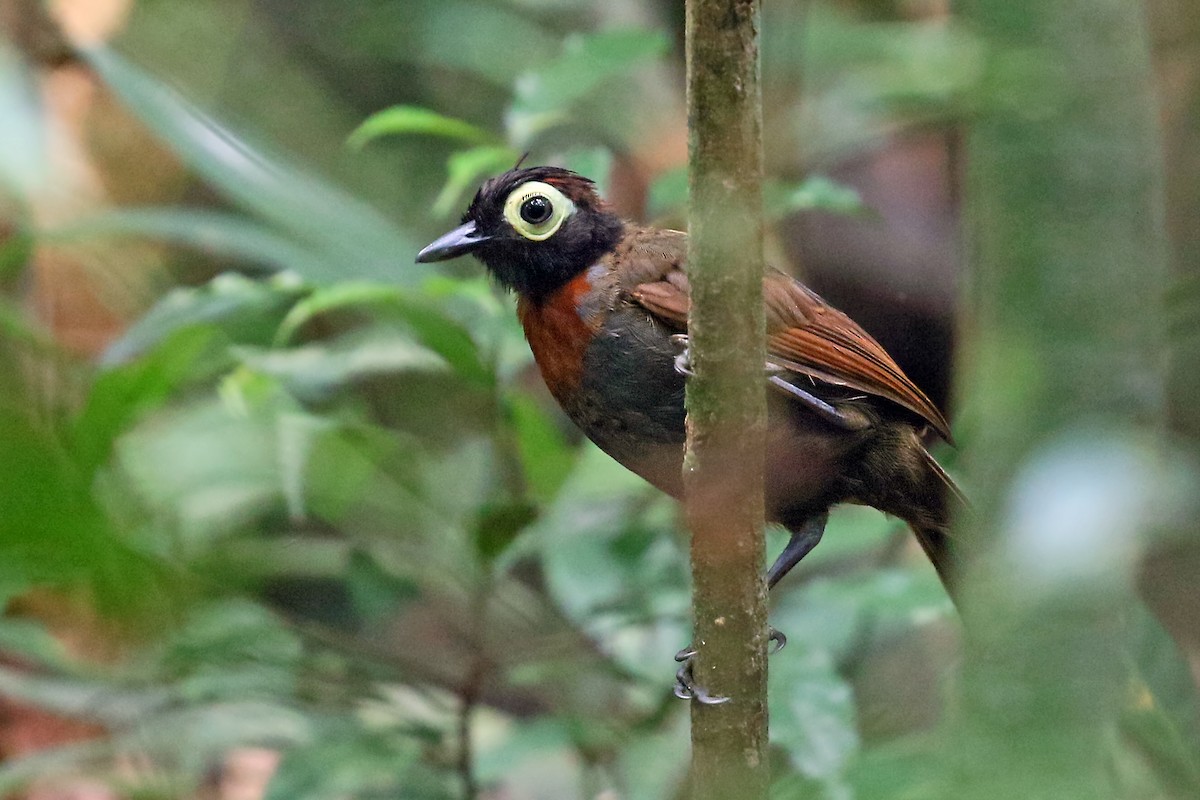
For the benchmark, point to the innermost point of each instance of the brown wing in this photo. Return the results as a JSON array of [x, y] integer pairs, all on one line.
[[809, 337]]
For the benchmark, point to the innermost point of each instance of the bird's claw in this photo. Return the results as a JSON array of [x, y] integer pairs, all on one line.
[[686, 687], [686, 654], [683, 361]]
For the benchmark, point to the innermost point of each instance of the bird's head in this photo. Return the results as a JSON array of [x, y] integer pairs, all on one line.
[[534, 229]]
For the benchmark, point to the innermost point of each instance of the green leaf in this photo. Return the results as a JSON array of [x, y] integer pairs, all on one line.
[[613, 565], [345, 758], [344, 232], [52, 531], [16, 251], [246, 309], [546, 455], [214, 233], [205, 471], [15, 325], [430, 327], [375, 592], [586, 62], [33, 642], [813, 714], [415, 120], [499, 524], [123, 393], [537, 739], [669, 193], [315, 372], [814, 193], [909, 768], [465, 169], [594, 162]]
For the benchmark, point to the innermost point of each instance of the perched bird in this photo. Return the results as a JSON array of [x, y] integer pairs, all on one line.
[[604, 303]]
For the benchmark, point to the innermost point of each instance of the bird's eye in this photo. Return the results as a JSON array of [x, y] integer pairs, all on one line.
[[537, 210]]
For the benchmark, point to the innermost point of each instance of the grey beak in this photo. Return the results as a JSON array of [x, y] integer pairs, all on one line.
[[462, 239]]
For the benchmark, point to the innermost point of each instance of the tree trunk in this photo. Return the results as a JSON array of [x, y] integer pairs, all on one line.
[[725, 398], [1064, 390]]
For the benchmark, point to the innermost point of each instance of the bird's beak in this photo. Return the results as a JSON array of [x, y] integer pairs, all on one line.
[[463, 239]]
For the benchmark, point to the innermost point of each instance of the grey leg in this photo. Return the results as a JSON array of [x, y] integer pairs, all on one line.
[[803, 540]]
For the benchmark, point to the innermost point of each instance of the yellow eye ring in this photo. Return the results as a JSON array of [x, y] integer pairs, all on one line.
[[537, 210]]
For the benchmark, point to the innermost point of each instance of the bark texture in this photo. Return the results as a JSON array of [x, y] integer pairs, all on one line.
[[726, 403]]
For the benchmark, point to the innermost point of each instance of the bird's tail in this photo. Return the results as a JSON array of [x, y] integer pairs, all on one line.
[[932, 528]]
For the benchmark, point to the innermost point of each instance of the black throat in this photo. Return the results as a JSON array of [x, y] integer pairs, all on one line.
[[536, 270]]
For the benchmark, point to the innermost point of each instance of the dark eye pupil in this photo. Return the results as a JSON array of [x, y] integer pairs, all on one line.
[[536, 210]]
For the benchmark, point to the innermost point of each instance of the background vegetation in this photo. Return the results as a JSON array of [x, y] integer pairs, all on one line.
[[285, 514]]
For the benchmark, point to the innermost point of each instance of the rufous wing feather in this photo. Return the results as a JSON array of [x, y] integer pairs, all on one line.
[[807, 336]]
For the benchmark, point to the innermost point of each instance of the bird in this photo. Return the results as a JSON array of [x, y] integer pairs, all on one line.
[[604, 303]]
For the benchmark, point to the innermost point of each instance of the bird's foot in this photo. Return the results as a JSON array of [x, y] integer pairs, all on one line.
[[686, 687], [683, 361]]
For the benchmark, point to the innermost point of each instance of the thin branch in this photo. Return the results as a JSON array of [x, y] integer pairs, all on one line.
[[725, 399]]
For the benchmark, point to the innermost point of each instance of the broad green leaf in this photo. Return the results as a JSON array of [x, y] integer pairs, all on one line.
[[345, 758], [499, 524], [350, 237], [812, 713], [427, 323], [465, 169], [20, 772], [375, 592], [15, 325], [537, 739], [213, 233], [86, 698], [908, 768], [231, 649], [246, 309], [594, 162], [546, 455], [614, 565], [586, 62], [415, 120], [52, 531], [33, 642], [814, 193], [122, 393], [669, 193], [229, 479], [16, 251], [315, 372]]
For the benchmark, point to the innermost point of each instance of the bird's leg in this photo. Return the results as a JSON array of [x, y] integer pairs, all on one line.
[[804, 539], [829, 413], [683, 361], [686, 687]]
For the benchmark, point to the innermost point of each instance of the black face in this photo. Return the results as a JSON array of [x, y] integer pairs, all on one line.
[[534, 229]]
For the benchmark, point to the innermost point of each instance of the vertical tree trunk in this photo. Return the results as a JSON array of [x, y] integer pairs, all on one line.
[[1065, 384], [725, 398], [1169, 581]]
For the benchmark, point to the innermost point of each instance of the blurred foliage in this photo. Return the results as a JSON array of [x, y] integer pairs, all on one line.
[[314, 493]]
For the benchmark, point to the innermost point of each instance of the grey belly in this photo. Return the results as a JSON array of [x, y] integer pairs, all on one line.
[[631, 404]]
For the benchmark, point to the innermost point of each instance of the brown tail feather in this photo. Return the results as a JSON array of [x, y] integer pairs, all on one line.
[[938, 545]]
